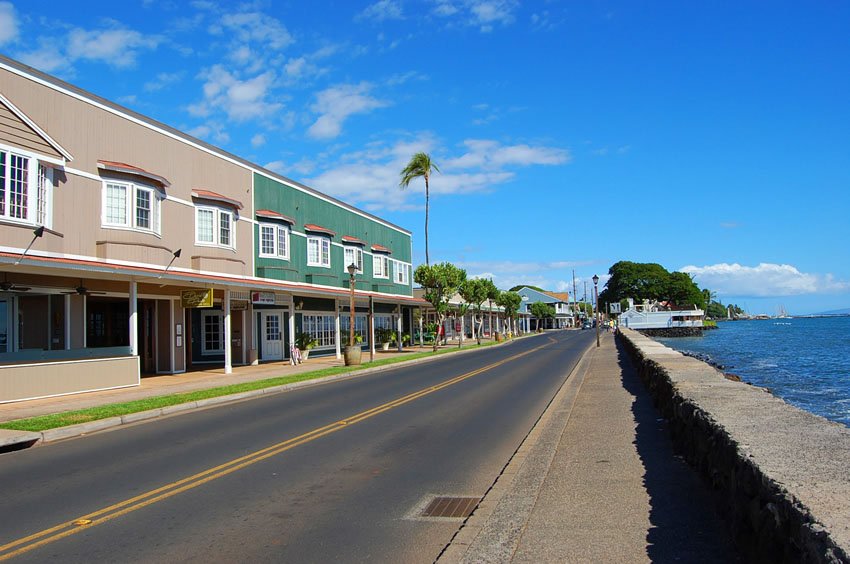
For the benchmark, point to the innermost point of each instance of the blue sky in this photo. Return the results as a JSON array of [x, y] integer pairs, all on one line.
[[710, 137]]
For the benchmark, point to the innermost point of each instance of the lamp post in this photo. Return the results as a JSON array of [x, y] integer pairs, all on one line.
[[352, 269], [596, 304]]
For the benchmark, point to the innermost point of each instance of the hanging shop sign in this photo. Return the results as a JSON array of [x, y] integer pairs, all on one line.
[[266, 298], [238, 305], [196, 298]]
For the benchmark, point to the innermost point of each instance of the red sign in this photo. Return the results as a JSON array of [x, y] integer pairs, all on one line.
[[457, 327]]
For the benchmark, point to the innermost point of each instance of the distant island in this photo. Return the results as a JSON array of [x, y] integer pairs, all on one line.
[[845, 311]]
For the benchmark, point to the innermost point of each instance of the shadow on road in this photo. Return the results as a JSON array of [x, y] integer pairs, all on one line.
[[684, 524]]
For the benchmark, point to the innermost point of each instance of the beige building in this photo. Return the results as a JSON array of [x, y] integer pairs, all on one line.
[[114, 228]]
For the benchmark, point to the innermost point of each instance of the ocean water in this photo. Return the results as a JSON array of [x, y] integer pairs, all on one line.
[[805, 361]]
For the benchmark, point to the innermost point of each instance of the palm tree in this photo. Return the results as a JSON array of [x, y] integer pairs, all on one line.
[[420, 165]]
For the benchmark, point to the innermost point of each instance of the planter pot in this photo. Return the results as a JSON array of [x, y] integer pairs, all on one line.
[[352, 355], [385, 346], [498, 337], [304, 354]]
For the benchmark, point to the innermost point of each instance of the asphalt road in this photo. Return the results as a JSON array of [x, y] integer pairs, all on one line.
[[333, 472]]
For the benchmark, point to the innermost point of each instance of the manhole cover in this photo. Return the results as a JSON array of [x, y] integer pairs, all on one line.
[[451, 507]]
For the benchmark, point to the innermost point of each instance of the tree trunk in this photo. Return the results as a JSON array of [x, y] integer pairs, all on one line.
[[427, 198]]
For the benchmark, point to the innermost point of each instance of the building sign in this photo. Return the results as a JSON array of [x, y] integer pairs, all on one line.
[[266, 298], [238, 305], [196, 298], [615, 307]]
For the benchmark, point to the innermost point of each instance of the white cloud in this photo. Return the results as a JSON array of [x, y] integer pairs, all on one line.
[[370, 176], [116, 47], [483, 14], [258, 140], [254, 27], [381, 11], [163, 80], [764, 280], [482, 152], [212, 130], [8, 23], [336, 104], [240, 100], [48, 57]]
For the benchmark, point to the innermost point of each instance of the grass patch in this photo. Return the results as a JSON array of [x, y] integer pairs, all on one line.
[[54, 421]]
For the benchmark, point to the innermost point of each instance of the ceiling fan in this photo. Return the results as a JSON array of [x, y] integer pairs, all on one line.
[[82, 291], [6, 286]]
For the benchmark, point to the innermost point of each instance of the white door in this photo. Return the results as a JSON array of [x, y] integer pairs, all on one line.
[[272, 336]]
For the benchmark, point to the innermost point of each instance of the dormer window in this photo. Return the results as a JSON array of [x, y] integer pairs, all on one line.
[[132, 197], [215, 216]]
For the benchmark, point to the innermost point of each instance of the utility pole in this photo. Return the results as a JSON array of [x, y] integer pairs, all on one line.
[[575, 300]]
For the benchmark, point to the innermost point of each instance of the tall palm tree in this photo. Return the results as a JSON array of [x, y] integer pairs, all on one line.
[[420, 165]]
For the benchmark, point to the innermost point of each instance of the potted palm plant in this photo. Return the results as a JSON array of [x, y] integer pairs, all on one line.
[[305, 342], [384, 336], [353, 353]]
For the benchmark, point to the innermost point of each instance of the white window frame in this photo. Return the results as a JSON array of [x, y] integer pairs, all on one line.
[[352, 254], [38, 188], [402, 273], [217, 213], [204, 315], [277, 231], [324, 243], [130, 220], [384, 270], [321, 326]]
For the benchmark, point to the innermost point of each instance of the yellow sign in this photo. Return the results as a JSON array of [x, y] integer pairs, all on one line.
[[196, 298]]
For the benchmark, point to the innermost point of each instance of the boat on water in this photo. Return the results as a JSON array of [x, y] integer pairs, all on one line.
[[781, 313]]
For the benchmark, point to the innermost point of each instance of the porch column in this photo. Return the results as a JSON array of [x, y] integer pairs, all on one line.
[[336, 330], [399, 329], [291, 328], [371, 329], [462, 327], [134, 321], [421, 336], [228, 349], [67, 322]]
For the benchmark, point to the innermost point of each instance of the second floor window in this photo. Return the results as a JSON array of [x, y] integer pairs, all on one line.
[[131, 206], [26, 189], [318, 251], [402, 273], [354, 255], [380, 266], [214, 227], [274, 241]]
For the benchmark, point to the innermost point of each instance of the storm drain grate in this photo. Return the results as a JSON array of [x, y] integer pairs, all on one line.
[[451, 507]]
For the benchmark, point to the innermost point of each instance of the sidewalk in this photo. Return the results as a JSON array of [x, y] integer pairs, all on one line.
[[596, 481]]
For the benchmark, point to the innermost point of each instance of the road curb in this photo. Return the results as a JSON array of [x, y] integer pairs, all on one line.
[[15, 438]]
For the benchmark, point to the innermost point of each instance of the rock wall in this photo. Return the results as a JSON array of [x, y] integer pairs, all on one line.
[[673, 332], [781, 476]]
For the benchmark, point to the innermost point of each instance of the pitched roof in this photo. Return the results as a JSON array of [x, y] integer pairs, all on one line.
[[381, 249], [125, 168], [562, 296], [319, 229], [216, 197], [353, 240], [270, 214]]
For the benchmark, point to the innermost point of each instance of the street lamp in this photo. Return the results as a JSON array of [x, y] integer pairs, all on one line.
[[352, 270], [596, 302]]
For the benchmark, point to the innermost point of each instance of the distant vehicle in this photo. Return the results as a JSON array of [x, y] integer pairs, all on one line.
[[587, 325]]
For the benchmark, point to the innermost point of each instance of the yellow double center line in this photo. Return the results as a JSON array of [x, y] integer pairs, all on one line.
[[101, 516]]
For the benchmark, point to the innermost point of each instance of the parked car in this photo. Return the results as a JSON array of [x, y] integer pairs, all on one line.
[[587, 325]]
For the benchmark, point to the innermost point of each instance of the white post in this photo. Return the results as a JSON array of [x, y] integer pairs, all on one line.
[[67, 322], [421, 336], [399, 329], [83, 321], [336, 330], [291, 328], [134, 314], [173, 344], [228, 352]]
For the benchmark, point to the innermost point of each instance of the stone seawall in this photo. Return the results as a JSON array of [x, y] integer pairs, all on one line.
[[781, 476]]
